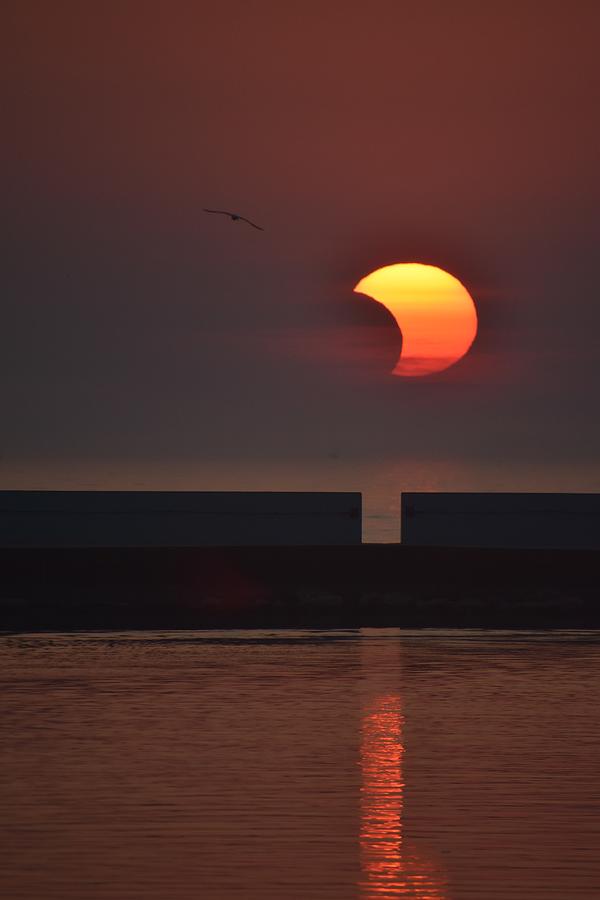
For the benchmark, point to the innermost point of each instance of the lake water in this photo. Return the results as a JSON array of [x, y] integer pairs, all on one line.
[[300, 764]]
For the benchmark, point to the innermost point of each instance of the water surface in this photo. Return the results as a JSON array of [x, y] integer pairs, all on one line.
[[356, 764]]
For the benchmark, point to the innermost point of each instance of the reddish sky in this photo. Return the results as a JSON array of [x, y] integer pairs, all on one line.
[[460, 134]]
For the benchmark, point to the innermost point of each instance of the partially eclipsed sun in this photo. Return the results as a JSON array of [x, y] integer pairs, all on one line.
[[434, 312]]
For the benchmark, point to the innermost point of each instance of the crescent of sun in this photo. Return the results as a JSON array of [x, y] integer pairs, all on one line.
[[432, 309]]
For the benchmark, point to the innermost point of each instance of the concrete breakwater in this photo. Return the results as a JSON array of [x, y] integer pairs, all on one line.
[[76, 519], [95, 559], [338, 586], [118, 519]]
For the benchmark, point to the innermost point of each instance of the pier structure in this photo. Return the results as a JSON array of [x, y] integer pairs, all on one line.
[[78, 519], [501, 520], [139, 560]]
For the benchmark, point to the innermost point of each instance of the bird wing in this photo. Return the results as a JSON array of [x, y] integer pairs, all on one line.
[[254, 225], [222, 212]]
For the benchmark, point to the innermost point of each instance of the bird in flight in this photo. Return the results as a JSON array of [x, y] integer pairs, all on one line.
[[234, 217]]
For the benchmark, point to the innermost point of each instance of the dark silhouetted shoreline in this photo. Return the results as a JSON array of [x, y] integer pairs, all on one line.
[[350, 586]]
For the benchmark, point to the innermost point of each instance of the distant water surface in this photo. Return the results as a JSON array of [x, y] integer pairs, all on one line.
[[300, 764]]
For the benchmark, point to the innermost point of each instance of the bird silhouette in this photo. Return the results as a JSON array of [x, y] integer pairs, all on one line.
[[234, 217]]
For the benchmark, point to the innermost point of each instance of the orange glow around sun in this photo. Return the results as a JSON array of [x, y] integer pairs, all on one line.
[[433, 310]]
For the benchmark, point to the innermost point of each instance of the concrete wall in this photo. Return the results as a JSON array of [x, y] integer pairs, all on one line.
[[177, 519], [501, 520]]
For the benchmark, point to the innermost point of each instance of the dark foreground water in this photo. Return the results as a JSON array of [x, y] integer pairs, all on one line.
[[307, 764]]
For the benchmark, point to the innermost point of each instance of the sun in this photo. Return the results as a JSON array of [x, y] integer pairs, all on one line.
[[433, 310]]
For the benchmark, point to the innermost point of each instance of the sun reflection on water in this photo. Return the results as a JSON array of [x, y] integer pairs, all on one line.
[[389, 867]]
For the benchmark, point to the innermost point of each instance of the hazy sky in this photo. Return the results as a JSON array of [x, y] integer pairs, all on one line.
[[134, 326]]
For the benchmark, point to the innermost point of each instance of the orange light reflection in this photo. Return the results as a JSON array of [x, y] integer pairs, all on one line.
[[389, 868]]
